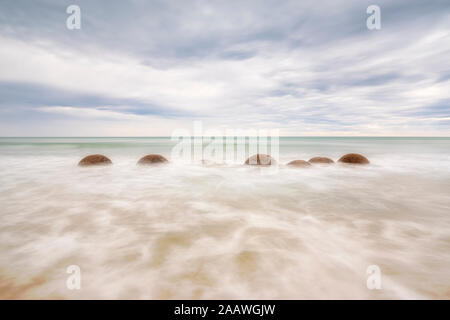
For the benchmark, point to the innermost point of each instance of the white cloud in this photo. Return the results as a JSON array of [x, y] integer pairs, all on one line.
[[89, 113], [368, 83]]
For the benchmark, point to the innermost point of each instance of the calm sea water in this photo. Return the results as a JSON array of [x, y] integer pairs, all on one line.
[[193, 231]]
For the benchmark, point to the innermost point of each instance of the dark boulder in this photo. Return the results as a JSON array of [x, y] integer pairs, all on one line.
[[152, 159], [260, 160], [299, 163], [321, 160], [94, 160], [354, 158]]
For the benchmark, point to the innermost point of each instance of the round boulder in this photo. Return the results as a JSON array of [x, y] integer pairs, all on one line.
[[94, 160], [260, 160], [354, 158], [152, 159], [299, 163], [321, 160]]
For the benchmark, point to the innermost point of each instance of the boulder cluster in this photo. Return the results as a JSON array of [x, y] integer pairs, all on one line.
[[98, 159], [265, 159], [256, 160]]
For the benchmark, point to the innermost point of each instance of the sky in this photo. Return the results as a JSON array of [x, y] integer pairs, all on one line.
[[147, 68]]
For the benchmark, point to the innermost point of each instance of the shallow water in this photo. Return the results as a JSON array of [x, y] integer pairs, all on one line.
[[211, 232]]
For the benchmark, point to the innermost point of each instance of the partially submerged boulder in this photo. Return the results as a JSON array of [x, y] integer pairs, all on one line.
[[354, 158], [321, 160], [94, 160], [299, 163], [260, 160], [152, 159]]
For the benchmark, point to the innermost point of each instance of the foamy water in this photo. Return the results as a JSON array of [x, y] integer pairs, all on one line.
[[183, 231]]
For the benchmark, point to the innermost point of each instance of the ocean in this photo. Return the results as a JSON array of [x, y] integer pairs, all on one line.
[[225, 231]]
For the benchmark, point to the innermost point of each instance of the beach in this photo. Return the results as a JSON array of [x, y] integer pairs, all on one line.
[[191, 231]]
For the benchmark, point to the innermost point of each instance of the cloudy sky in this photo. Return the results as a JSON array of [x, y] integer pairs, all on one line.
[[143, 68]]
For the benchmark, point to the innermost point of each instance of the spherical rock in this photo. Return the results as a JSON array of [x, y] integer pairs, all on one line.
[[152, 159], [299, 163], [321, 160], [94, 160], [261, 160], [354, 158]]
